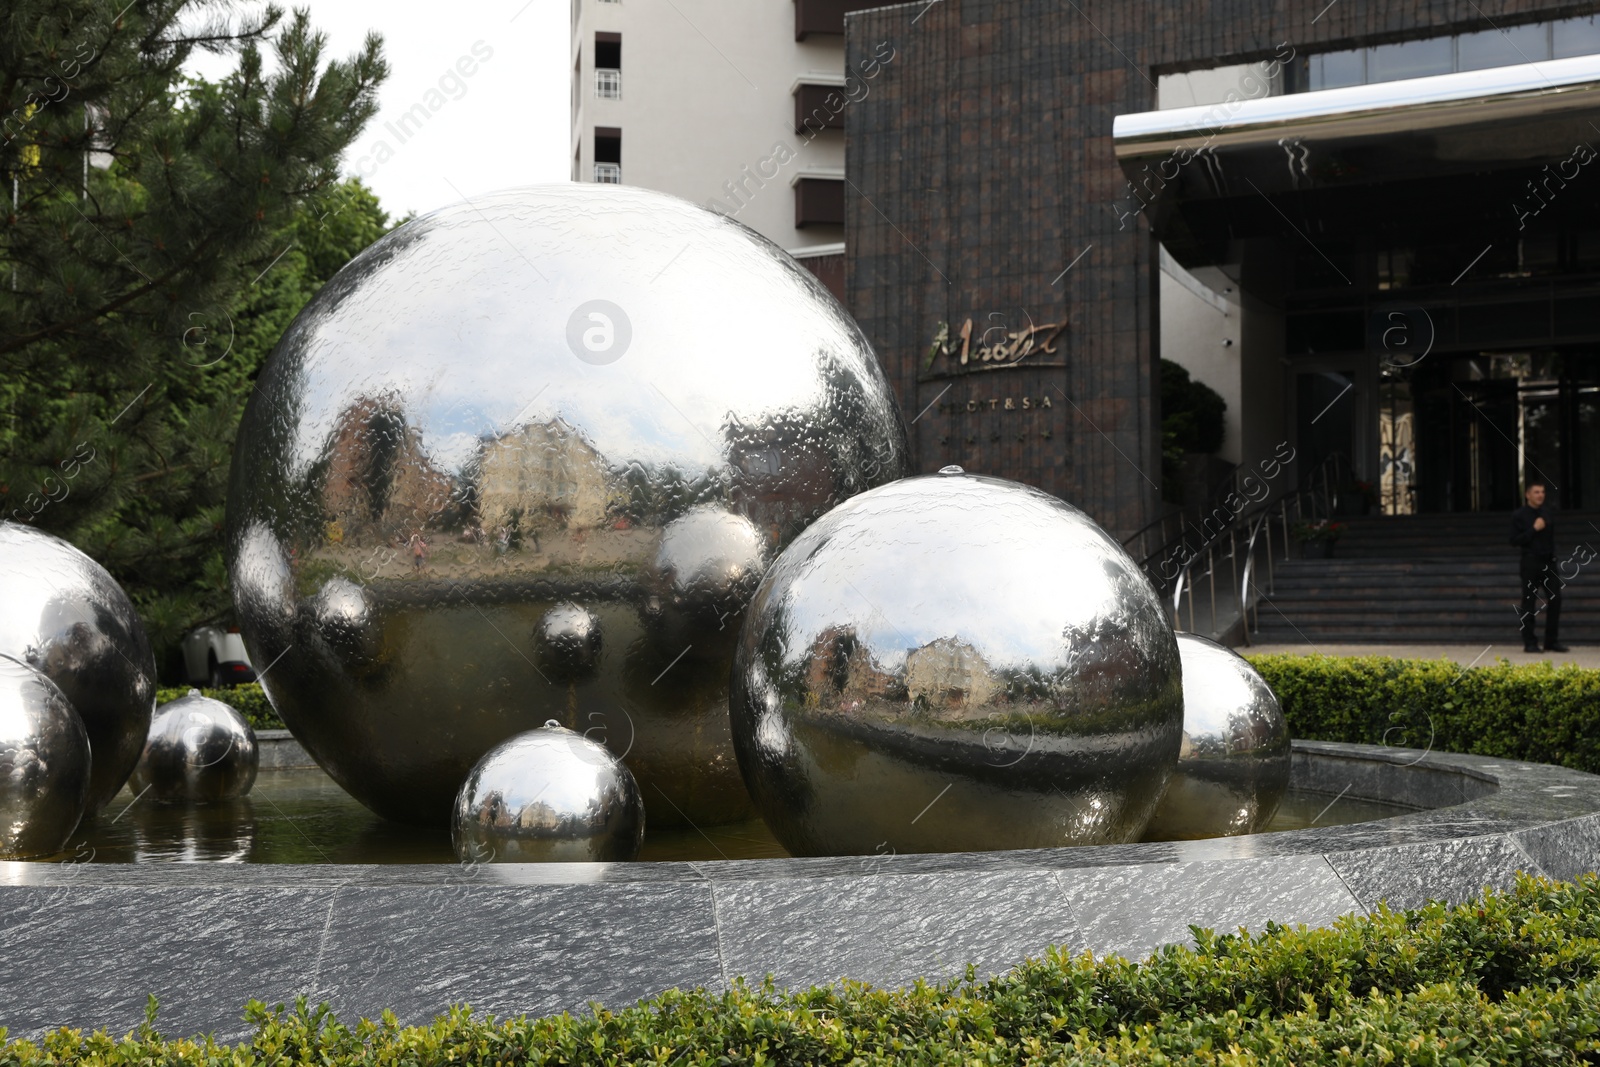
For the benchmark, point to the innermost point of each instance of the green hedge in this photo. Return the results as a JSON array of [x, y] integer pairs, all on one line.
[[1534, 711], [1511, 978], [248, 700]]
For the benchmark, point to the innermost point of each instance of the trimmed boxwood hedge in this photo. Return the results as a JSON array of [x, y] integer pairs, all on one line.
[[248, 700], [1535, 712], [1513, 977]]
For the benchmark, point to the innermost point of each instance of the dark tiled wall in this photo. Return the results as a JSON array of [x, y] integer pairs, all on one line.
[[980, 166]]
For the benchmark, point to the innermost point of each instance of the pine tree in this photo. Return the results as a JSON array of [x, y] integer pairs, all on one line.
[[161, 232]]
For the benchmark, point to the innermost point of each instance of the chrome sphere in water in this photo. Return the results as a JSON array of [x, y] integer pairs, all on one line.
[[1234, 766], [44, 763], [526, 458], [62, 613], [955, 663], [200, 750], [548, 795]]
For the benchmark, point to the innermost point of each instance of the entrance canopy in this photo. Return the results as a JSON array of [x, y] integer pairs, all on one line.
[[1416, 157]]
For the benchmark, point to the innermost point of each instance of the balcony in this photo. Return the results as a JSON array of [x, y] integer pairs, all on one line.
[[818, 107], [608, 173], [608, 84], [818, 202], [825, 16]]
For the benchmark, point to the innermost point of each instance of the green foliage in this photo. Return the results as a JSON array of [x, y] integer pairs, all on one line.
[[1511, 978], [1191, 412], [248, 700], [1536, 712], [138, 295]]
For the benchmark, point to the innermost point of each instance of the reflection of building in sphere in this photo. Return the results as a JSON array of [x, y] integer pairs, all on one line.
[[568, 641], [906, 679], [1233, 768], [543, 474], [378, 473], [425, 431], [44, 763], [548, 795], [949, 675]]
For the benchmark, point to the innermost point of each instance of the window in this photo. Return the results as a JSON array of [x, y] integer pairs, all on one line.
[[608, 155], [608, 66]]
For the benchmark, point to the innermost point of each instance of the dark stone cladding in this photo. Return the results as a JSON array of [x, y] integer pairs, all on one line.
[[980, 165], [82, 944]]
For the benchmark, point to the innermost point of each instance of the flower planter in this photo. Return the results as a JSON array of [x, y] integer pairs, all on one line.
[[1320, 549]]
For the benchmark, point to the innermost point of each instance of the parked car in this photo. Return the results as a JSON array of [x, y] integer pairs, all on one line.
[[215, 657]]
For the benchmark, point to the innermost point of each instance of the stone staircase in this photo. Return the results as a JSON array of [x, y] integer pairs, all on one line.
[[1427, 579]]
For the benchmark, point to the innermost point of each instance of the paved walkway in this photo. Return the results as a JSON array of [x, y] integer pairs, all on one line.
[[1582, 655]]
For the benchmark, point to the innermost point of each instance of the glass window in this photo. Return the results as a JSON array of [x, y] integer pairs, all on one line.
[[1332, 70], [1411, 59], [1577, 37], [1504, 48]]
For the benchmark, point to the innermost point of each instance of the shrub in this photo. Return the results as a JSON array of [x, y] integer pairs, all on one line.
[[248, 700], [1535, 712], [1511, 978]]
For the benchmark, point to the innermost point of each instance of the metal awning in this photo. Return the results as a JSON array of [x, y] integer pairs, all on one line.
[[1186, 166]]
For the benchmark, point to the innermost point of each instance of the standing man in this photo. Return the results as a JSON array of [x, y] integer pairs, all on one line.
[[1533, 530]]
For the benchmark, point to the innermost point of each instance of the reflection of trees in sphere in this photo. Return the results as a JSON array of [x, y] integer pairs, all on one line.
[[437, 465], [63, 614], [548, 795], [200, 750], [955, 663], [44, 763], [1234, 766]]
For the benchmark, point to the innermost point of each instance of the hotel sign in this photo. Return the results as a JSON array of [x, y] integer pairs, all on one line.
[[973, 349]]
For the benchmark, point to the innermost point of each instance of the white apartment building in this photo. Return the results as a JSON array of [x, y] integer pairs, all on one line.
[[737, 105]]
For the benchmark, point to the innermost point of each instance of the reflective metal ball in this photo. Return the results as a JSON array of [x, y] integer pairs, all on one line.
[[553, 400], [62, 613], [200, 750], [1234, 766], [955, 663], [44, 763], [548, 795]]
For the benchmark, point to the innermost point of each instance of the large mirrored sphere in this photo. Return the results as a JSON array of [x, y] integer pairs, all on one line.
[[62, 613], [44, 763], [955, 663], [200, 751], [527, 458], [548, 795], [1234, 765]]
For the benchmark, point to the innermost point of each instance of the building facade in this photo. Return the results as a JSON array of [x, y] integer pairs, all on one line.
[[1379, 238], [738, 105]]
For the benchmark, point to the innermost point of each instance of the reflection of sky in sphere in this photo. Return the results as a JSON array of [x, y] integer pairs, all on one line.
[[1009, 571], [466, 318]]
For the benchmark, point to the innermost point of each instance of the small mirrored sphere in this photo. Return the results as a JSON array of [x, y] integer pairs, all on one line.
[[63, 614], [548, 795], [44, 763], [200, 751], [568, 641], [1233, 768], [954, 663], [527, 458]]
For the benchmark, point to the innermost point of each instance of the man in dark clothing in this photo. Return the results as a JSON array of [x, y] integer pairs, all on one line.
[[1533, 530]]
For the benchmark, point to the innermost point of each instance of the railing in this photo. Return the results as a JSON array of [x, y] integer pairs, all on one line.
[[608, 173], [608, 83], [1236, 539]]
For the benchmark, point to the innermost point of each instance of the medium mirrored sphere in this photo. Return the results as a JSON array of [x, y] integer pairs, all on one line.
[[548, 795], [955, 663], [1233, 768], [44, 763], [563, 398], [200, 751], [62, 613]]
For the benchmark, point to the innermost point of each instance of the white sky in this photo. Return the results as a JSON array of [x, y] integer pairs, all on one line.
[[507, 124]]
